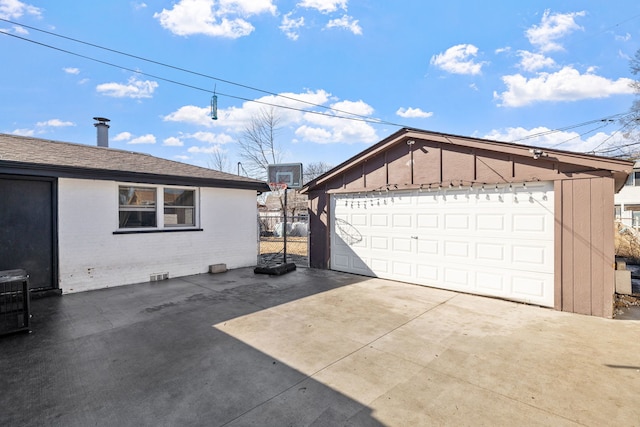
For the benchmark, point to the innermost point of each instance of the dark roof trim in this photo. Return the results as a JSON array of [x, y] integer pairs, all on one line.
[[53, 171]]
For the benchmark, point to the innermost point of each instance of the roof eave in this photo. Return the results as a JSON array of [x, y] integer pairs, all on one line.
[[617, 167], [20, 168]]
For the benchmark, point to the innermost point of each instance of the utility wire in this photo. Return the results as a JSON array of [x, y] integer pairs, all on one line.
[[551, 131], [606, 123], [351, 116], [365, 118], [359, 119]]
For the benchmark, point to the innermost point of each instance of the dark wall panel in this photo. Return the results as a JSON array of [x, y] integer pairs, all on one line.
[[27, 229]]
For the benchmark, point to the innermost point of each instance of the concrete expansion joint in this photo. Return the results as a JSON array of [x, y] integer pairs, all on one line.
[[313, 374]]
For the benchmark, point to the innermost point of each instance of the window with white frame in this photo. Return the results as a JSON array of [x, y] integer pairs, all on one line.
[[156, 207], [179, 207], [137, 207]]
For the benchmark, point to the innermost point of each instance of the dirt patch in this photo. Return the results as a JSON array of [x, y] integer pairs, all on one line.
[[624, 302], [627, 243], [272, 248]]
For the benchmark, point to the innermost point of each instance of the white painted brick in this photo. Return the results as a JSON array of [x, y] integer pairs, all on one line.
[[92, 257]]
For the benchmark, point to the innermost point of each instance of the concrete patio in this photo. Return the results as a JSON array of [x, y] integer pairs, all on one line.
[[314, 348]]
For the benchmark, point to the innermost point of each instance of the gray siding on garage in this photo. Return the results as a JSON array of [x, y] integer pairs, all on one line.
[[584, 189]]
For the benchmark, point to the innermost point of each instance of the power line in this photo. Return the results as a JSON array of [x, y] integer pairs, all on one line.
[[552, 131], [364, 118], [351, 116]]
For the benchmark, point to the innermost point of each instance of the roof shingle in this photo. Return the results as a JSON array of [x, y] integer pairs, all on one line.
[[42, 154]]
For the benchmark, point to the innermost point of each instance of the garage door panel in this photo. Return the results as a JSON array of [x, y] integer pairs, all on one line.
[[428, 247], [340, 262], [498, 243], [379, 220], [402, 244], [456, 249], [380, 266], [523, 223], [494, 252], [401, 220], [490, 222], [457, 277], [380, 243], [490, 283], [427, 273], [359, 220], [528, 287], [428, 221], [403, 270], [455, 221]]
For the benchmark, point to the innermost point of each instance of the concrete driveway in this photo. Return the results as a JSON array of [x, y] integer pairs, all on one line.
[[313, 348]]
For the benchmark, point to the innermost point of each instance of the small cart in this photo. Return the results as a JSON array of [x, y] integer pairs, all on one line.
[[14, 301]]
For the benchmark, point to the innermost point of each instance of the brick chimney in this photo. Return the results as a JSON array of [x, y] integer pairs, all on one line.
[[103, 131]]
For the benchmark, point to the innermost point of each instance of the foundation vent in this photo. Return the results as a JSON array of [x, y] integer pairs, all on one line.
[[155, 277]]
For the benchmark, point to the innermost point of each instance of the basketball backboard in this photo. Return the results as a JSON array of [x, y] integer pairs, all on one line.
[[285, 173]]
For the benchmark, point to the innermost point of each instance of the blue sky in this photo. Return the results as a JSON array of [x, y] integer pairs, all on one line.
[[499, 70]]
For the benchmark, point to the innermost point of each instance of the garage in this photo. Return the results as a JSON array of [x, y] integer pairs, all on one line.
[[496, 241], [498, 219]]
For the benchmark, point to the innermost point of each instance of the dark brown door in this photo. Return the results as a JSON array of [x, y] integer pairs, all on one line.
[[27, 229]]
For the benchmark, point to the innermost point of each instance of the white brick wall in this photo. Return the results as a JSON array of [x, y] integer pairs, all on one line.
[[92, 257]]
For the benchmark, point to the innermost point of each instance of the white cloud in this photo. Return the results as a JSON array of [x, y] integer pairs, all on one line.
[[182, 157], [247, 7], [623, 55], [23, 132], [624, 38], [83, 81], [552, 28], [565, 85], [55, 123], [144, 139], [133, 89], [360, 108], [71, 70], [192, 115], [322, 128], [411, 113], [139, 6], [502, 50], [561, 140], [290, 26], [235, 118], [172, 141], [122, 136], [324, 6], [327, 128], [20, 30], [211, 138], [458, 60], [224, 18], [346, 22], [534, 61], [204, 150], [12, 9]]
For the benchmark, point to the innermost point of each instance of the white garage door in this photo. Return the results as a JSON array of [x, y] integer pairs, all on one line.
[[487, 241]]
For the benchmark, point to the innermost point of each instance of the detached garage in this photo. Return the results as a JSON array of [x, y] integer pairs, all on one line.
[[471, 215]]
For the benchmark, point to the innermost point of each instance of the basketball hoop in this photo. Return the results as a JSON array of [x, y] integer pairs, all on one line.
[[278, 188]]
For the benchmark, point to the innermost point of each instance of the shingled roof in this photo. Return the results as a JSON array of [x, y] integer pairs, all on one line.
[[34, 156]]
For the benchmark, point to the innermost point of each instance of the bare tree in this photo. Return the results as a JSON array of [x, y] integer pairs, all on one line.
[[257, 143], [314, 170], [631, 122], [219, 161]]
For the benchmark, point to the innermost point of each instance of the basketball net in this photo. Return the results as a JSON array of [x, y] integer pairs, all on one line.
[[278, 188]]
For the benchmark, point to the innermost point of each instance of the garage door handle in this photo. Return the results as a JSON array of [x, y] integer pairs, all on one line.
[[414, 237]]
